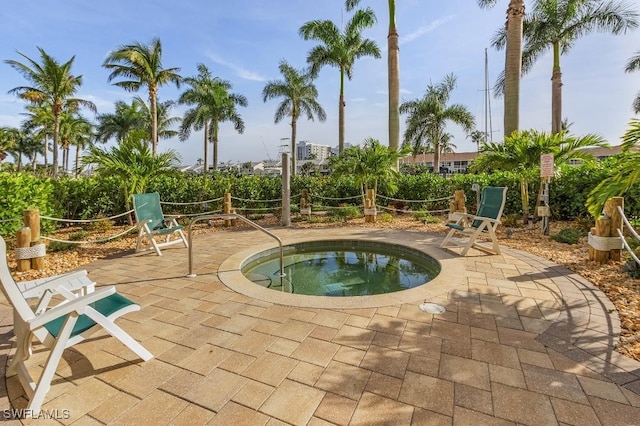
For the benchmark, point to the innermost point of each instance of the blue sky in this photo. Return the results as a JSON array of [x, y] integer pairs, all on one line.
[[243, 41]]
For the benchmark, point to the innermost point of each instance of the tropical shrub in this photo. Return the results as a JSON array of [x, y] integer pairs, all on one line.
[[567, 236], [20, 192]]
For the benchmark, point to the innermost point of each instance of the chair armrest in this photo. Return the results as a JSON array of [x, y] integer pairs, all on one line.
[[73, 281], [63, 309], [482, 218]]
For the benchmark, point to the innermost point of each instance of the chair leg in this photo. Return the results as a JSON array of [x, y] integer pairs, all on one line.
[[111, 328], [155, 245], [494, 240], [447, 238], [184, 239], [44, 383], [139, 243], [472, 241]]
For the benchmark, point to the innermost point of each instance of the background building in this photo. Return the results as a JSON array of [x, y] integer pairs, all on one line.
[[307, 150]]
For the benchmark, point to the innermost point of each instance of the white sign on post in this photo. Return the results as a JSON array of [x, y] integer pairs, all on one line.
[[546, 165]]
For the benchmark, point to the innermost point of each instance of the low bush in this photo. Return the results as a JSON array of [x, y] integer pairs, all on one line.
[[567, 236], [385, 217]]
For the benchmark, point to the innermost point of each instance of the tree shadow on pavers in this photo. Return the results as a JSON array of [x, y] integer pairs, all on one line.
[[588, 327]]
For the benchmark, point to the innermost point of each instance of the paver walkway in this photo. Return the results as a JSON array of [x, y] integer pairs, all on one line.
[[522, 341]]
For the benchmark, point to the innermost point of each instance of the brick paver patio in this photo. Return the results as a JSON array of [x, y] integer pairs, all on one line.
[[522, 341]]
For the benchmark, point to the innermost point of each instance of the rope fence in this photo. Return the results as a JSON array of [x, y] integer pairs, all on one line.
[[102, 219], [632, 231], [103, 240], [171, 203]]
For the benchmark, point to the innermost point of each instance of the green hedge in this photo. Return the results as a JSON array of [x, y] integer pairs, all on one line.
[[19, 192], [91, 197]]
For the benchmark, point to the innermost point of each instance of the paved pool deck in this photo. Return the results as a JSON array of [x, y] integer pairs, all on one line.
[[522, 341]]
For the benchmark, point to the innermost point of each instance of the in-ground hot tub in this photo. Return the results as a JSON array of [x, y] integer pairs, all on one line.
[[341, 268]]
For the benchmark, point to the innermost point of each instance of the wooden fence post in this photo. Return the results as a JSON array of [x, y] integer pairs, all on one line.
[[370, 206], [604, 241], [31, 220], [23, 241], [305, 208], [611, 210], [227, 208]]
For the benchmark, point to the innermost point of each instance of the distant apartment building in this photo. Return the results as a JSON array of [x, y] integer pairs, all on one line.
[[307, 150], [458, 162]]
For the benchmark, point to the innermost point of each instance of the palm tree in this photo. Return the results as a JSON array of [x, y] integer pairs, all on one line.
[[300, 97], [624, 177], [393, 73], [132, 163], [428, 117], [556, 25], [200, 94], [340, 49], [520, 153], [213, 103], [634, 65], [477, 137], [40, 122], [119, 124], [7, 141], [369, 165], [513, 62], [141, 66], [164, 121], [75, 130], [53, 85]]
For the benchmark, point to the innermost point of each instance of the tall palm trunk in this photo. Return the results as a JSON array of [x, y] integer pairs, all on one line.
[[77, 165], [206, 148], [556, 92], [214, 141], [436, 153], [393, 64], [513, 66], [341, 106], [46, 151], [524, 192], [56, 135], [153, 107], [294, 130]]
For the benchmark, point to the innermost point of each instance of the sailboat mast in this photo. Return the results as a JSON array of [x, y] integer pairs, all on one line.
[[486, 95]]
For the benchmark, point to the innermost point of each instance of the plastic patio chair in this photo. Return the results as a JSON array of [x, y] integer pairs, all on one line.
[[60, 326], [152, 223], [485, 221]]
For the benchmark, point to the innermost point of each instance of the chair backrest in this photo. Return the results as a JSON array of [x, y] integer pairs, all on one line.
[[10, 288], [147, 207], [491, 203]]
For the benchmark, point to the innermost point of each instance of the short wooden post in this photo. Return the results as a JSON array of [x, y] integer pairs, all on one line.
[[611, 211], [305, 208], [370, 206], [604, 241], [460, 201], [457, 206], [23, 240], [602, 229], [31, 220], [227, 209]]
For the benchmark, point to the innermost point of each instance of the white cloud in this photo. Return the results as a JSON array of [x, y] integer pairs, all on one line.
[[239, 70], [425, 29]]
